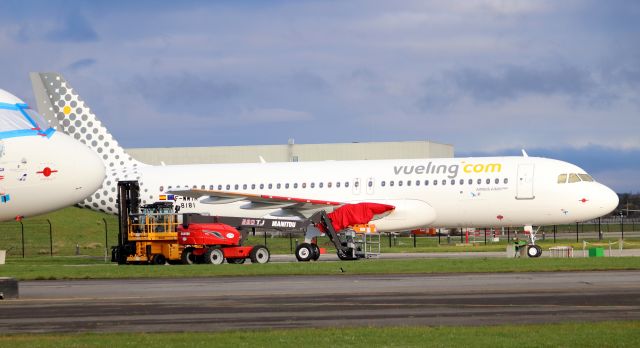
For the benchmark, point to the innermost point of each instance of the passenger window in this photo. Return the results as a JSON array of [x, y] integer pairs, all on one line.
[[453, 181], [408, 182], [202, 187], [444, 181], [286, 185], [338, 184], [488, 181], [435, 182], [391, 183], [295, 185], [210, 187], [313, 185], [320, 185], [244, 186], [506, 181], [470, 181], [346, 184], [278, 186], [219, 187], [562, 178], [574, 178], [417, 182], [585, 177], [497, 181], [261, 186], [426, 183], [356, 184], [253, 186], [399, 182], [228, 187], [304, 185], [329, 184], [270, 186], [479, 181], [382, 183], [461, 181], [236, 187], [161, 188]]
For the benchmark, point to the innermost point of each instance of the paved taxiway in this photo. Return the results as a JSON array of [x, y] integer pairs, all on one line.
[[145, 305]]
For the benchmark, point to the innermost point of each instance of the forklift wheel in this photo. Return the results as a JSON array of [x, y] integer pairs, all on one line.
[[316, 252], [304, 252], [158, 259], [235, 261]]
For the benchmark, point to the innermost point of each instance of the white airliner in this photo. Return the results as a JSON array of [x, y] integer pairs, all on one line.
[[41, 170], [485, 191]]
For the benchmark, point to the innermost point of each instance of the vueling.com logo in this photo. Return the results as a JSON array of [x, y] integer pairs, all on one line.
[[451, 170]]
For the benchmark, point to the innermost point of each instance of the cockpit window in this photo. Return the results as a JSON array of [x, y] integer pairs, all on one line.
[[574, 178], [585, 177], [562, 178], [18, 120]]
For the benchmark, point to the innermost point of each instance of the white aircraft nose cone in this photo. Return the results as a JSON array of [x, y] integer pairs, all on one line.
[[609, 200], [86, 168]]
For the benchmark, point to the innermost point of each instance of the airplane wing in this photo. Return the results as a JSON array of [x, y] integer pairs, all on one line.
[[288, 206]]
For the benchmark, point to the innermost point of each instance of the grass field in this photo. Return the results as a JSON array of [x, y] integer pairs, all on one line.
[[601, 334], [87, 268], [85, 231]]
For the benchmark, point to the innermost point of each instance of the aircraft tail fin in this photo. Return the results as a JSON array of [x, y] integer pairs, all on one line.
[[65, 111]]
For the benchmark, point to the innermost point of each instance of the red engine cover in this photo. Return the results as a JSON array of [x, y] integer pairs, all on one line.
[[208, 234]]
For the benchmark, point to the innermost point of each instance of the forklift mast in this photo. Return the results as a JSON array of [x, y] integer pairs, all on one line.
[[128, 203]]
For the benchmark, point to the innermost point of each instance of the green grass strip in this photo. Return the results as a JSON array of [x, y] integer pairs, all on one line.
[[598, 334], [85, 268]]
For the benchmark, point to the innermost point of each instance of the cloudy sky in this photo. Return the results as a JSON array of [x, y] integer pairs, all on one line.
[[558, 78]]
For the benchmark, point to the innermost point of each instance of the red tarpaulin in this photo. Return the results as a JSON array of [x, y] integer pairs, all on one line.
[[354, 214]]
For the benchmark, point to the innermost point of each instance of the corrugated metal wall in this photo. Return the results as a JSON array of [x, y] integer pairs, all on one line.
[[288, 153]]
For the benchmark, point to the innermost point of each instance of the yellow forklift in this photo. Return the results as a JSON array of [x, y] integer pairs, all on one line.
[[147, 234]]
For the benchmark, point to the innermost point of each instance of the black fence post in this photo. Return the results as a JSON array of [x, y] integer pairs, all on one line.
[[577, 230], [389, 234], [461, 235], [106, 240], [485, 236], [599, 230], [414, 239], [50, 238], [265, 237], [22, 234], [438, 233], [555, 228], [290, 242], [508, 236]]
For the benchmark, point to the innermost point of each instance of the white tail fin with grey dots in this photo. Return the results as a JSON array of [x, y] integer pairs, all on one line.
[[63, 108]]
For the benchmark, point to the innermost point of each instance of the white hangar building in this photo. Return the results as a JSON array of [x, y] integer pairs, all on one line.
[[292, 152]]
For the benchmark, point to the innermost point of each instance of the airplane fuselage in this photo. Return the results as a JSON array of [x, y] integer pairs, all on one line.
[[491, 191]]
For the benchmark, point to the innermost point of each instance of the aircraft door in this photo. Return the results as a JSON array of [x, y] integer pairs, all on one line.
[[524, 189], [356, 186], [371, 183]]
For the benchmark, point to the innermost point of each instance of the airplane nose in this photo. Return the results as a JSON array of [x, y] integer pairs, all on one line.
[[609, 200], [88, 171]]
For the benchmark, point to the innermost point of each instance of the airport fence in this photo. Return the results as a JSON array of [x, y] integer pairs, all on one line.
[[32, 238]]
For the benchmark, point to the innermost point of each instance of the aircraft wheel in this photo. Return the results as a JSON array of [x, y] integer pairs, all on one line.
[[235, 261], [534, 251], [158, 259], [259, 254], [316, 252], [304, 252], [214, 256], [187, 257]]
